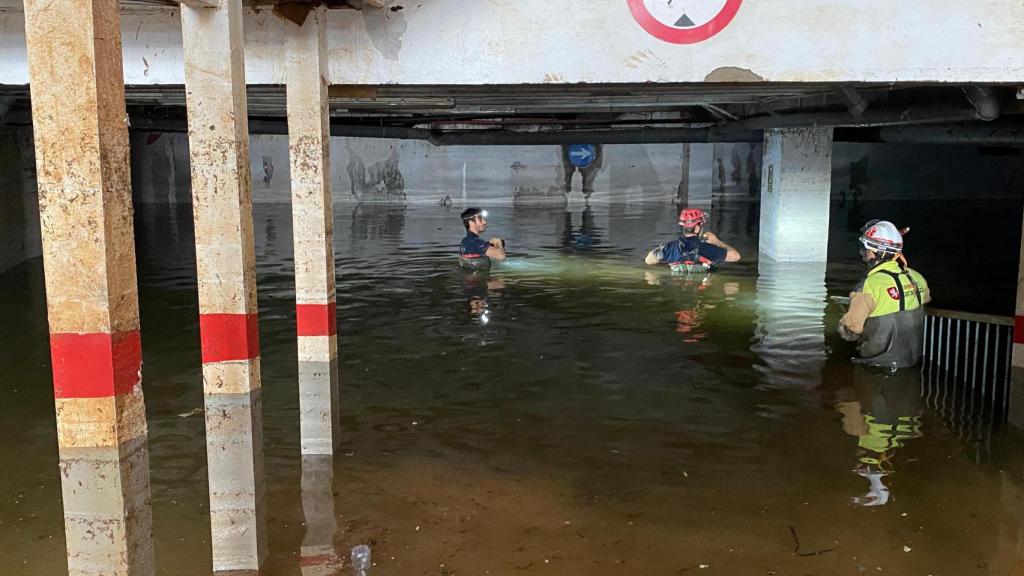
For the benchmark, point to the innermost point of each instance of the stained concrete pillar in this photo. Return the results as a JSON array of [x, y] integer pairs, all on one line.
[[319, 556], [225, 262], [81, 143], [795, 185], [695, 183], [683, 190], [309, 142], [1016, 400]]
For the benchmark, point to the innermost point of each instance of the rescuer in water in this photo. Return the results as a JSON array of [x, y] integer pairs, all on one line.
[[696, 249], [886, 313], [475, 253]]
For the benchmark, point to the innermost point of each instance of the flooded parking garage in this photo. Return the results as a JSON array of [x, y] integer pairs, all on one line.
[[248, 212]]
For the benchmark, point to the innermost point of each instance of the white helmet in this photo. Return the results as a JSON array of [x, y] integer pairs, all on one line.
[[881, 236]]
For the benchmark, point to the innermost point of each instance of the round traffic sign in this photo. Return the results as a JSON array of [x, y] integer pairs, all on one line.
[[684, 21], [582, 155]]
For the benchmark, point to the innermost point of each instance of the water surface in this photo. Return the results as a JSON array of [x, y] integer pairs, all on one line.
[[572, 412]]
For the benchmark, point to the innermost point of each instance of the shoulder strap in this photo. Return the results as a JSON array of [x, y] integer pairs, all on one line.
[[917, 289], [899, 288]]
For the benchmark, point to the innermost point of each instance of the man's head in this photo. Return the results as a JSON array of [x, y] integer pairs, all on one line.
[[474, 219], [692, 221], [880, 241]]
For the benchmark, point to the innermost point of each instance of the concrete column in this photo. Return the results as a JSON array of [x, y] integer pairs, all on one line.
[[683, 190], [309, 142], [225, 262], [1016, 400], [695, 185], [81, 142], [319, 556], [795, 184]]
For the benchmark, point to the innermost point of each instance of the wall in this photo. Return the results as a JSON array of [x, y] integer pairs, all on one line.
[[19, 201], [444, 42], [415, 172], [906, 172]]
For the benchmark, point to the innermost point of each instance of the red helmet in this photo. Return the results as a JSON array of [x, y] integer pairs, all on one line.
[[692, 217]]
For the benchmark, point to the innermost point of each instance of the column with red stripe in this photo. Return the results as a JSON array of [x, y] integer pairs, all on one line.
[[313, 224], [225, 262], [81, 142], [1016, 400]]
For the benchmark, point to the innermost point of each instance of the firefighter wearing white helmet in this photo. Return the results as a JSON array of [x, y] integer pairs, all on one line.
[[886, 314]]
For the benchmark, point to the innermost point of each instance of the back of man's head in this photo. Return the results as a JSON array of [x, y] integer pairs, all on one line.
[[468, 214]]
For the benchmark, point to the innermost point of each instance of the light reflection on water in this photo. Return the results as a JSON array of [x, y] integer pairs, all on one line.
[[570, 412]]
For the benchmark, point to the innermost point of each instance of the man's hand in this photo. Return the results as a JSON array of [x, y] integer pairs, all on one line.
[[654, 256], [846, 334], [731, 254], [497, 249]]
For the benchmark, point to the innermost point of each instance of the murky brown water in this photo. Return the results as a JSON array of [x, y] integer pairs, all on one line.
[[572, 413]]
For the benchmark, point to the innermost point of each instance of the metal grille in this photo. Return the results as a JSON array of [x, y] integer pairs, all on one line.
[[966, 370]]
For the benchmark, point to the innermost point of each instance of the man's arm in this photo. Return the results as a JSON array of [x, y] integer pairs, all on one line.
[[496, 249], [655, 256], [852, 322], [731, 254]]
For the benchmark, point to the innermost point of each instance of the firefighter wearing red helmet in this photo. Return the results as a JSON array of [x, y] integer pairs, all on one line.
[[886, 313], [696, 249]]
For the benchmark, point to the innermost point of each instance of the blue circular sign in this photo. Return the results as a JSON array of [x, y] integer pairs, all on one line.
[[582, 155]]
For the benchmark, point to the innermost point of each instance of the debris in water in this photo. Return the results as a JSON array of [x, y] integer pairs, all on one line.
[[191, 412], [796, 549]]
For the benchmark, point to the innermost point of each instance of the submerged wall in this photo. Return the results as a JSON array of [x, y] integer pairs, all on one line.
[[416, 172]]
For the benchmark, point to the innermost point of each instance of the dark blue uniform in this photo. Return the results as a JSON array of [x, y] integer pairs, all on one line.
[[473, 246], [691, 250]]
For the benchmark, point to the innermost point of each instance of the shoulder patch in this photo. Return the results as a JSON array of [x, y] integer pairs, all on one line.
[[893, 293]]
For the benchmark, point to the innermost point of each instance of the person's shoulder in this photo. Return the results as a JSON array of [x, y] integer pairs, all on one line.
[[878, 280]]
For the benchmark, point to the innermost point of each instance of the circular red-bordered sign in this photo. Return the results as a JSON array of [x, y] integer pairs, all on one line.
[[685, 23]]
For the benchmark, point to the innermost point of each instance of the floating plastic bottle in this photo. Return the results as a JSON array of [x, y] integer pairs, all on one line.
[[360, 559]]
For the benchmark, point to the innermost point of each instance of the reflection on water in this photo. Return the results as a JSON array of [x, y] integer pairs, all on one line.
[[479, 285], [790, 333], [570, 412], [882, 411]]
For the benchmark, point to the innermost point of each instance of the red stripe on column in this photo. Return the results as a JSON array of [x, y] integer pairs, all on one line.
[[227, 337], [316, 319], [95, 365], [1018, 330]]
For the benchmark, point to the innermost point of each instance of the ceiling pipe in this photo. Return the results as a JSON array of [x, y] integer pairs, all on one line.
[[999, 133], [870, 118], [611, 136]]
